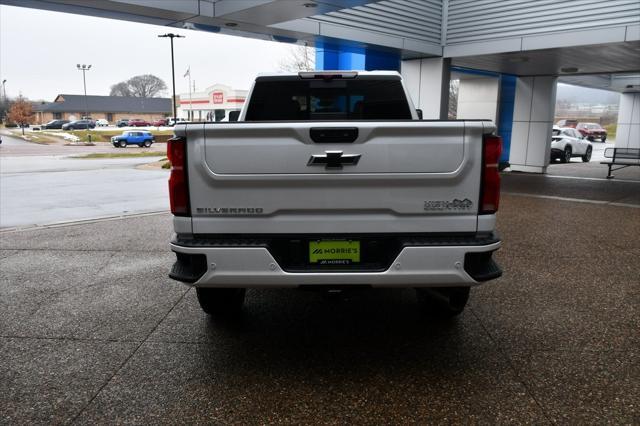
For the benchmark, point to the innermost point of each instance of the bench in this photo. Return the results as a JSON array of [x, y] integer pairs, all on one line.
[[622, 157]]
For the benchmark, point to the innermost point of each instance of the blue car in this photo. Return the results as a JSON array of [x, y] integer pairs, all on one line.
[[142, 139]]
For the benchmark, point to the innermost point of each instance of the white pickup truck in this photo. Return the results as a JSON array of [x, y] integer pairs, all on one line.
[[329, 180]]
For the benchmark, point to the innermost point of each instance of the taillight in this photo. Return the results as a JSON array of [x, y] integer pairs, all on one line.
[[490, 185], [178, 185]]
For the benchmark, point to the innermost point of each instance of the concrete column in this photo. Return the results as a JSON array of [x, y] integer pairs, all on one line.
[[533, 112], [628, 132], [478, 98], [428, 83]]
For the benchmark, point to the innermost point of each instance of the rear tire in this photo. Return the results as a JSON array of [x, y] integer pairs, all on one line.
[[566, 155], [442, 302], [221, 302], [587, 157], [603, 139]]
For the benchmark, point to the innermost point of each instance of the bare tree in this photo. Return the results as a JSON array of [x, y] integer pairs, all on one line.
[[141, 86], [21, 112], [120, 89], [146, 86], [300, 58]]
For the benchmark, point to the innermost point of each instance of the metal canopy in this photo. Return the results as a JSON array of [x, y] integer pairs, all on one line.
[[507, 36]]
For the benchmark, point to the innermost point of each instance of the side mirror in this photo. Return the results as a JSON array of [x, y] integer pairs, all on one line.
[[419, 111], [234, 115]]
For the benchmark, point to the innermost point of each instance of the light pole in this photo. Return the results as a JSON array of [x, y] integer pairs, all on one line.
[[84, 68], [4, 101], [173, 71]]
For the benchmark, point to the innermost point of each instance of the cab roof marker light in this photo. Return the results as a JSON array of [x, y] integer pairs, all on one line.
[[327, 75]]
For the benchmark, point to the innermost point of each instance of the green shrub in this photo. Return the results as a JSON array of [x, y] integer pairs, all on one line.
[[611, 130]]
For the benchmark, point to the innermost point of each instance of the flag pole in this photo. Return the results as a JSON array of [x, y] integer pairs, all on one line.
[[190, 99]]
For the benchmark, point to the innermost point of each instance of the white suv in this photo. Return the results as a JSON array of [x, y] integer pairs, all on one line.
[[567, 142]]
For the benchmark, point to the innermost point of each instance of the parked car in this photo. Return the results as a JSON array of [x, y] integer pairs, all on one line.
[[123, 122], [136, 122], [161, 122], [79, 124], [55, 124], [142, 139], [592, 131], [567, 123], [567, 142], [173, 121], [102, 122]]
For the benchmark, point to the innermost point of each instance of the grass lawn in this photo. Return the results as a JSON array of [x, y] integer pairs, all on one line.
[[123, 155], [611, 130], [34, 137], [105, 135]]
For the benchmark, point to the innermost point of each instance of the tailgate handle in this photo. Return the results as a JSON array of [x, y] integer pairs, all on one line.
[[333, 134]]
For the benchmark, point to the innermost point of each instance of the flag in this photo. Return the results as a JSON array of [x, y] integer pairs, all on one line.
[[188, 73]]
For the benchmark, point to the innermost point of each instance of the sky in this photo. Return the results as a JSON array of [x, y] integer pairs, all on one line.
[[39, 51]]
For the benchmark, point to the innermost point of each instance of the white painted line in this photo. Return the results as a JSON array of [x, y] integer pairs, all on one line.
[[574, 200], [591, 178]]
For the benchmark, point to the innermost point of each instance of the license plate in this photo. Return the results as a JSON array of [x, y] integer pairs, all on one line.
[[334, 252]]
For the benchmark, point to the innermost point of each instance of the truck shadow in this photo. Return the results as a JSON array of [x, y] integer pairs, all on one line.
[[365, 331]]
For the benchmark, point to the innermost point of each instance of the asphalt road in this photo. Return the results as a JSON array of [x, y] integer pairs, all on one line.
[[92, 331], [37, 190]]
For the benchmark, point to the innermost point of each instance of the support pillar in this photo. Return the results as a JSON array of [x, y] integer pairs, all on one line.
[[533, 112], [628, 132], [478, 98], [428, 83]]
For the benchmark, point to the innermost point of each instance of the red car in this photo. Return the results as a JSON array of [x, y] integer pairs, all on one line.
[[161, 122], [136, 122], [592, 131]]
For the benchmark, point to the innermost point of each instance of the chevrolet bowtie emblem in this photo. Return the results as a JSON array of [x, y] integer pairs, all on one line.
[[334, 159]]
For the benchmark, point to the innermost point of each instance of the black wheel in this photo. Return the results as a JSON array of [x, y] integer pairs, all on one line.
[[442, 302], [147, 144], [603, 139], [221, 302], [70, 128], [587, 157], [590, 138], [123, 144], [566, 155]]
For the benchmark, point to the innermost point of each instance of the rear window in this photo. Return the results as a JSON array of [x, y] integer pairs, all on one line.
[[336, 99]]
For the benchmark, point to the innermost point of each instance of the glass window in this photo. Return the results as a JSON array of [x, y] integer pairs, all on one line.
[[313, 99]]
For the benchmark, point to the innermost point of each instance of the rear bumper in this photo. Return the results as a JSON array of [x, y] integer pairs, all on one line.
[[468, 263]]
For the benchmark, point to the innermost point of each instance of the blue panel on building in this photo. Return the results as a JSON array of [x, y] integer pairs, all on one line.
[[331, 56], [505, 115]]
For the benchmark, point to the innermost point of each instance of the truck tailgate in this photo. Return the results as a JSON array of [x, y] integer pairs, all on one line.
[[343, 177]]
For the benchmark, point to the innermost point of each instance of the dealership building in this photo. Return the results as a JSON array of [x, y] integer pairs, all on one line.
[[508, 55], [212, 104]]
